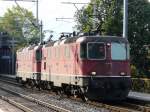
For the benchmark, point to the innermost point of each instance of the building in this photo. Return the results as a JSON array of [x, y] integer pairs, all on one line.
[[7, 56]]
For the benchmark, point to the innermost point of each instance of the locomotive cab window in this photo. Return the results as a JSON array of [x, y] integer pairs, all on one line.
[[96, 50], [119, 51], [83, 50]]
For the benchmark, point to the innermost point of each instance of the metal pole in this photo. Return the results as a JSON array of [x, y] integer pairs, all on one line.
[[39, 25], [125, 19], [94, 15], [37, 12], [41, 30], [12, 55]]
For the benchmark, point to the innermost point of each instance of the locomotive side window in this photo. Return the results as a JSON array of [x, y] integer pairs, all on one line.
[[119, 51], [96, 50], [57, 53], [38, 55], [49, 53], [83, 51], [67, 52]]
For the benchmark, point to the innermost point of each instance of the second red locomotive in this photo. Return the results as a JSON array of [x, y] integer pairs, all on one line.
[[95, 67]]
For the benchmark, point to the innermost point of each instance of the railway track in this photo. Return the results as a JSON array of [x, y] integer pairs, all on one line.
[[11, 82], [125, 106], [16, 104], [68, 104], [138, 107], [20, 100], [112, 107]]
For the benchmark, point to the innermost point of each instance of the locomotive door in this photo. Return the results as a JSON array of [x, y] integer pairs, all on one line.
[[38, 62], [76, 60]]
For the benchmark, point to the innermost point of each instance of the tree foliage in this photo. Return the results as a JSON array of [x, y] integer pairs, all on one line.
[[109, 21], [139, 31], [18, 22], [108, 13]]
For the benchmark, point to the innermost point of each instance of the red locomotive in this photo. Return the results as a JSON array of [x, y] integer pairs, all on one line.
[[95, 67]]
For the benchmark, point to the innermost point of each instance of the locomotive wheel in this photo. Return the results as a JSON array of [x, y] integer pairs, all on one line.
[[49, 87], [42, 85], [32, 84], [83, 95], [26, 84], [45, 85], [75, 92], [61, 93], [39, 85], [75, 95], [84, 98], [67, 91]]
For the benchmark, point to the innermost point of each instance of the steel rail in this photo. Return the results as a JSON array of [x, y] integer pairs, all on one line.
[[111, 107], [45, 104], [16, 104], [139, 107], [101, 105], [11, 82]]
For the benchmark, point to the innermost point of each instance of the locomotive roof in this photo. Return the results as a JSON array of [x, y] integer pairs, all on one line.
[[87, 39], [31, 47], [81, 39], [102, 39]]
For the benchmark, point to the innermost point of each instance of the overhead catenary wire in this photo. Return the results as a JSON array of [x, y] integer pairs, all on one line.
[[27, 18], [24, 14], [37, 25], [21, 0]]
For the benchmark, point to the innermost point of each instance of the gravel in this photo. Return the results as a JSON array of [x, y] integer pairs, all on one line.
[[72, 105]]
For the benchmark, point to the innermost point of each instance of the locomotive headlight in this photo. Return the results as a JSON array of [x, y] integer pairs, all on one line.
[[93, 73], [122, 73], [108, 44]]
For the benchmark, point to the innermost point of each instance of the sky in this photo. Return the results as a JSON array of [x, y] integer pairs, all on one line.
[[49, 10]]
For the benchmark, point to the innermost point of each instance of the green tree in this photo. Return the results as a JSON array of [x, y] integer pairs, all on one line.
[[109, 13], [139, 31], [20, 24]]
